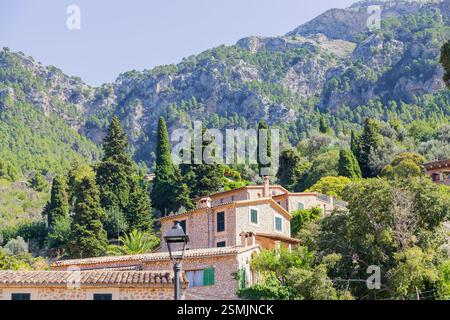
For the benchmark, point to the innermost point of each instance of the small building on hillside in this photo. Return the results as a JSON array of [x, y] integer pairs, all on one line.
[[439, 171]]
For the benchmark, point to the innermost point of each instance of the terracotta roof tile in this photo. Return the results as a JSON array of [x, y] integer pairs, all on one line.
[[87, 278], [138, 259]]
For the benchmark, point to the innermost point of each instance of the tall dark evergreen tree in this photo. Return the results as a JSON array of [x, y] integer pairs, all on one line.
[[207, 177], [58, 205], [87, 236], [264, 130], [369, 142], [445, 61], [114, 172], [323, 126], [138, 213], [354, 147], [348, 165], [292, 167], [168, 192]]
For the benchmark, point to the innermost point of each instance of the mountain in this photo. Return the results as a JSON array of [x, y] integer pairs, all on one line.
[[333, 65]]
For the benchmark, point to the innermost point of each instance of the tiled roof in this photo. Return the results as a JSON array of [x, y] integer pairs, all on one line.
[[106, 259], [199, 253], [151, 256], [86, 278], [277, 237], [217, 205]]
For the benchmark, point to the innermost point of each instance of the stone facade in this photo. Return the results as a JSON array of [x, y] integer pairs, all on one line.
[[439, 171], [51, 293]]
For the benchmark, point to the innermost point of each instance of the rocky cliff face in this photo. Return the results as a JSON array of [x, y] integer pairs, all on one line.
[[331, 62]]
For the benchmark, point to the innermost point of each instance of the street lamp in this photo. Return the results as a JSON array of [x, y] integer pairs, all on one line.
[[173, 237]]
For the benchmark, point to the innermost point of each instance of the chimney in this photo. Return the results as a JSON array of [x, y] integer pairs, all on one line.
[[266, 191], [252, 237], [205, 202], [243, 239]]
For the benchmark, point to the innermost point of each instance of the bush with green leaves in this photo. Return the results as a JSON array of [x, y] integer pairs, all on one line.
[[16, 247], [136, 242]]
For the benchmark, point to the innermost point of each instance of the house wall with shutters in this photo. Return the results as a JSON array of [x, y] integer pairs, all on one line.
[[224, 286], [202, 228], [266, 219]]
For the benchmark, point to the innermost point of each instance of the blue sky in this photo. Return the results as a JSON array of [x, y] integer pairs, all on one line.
[[118, 36]]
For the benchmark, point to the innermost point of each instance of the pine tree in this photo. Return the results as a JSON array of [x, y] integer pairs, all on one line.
[[87, 236], [263, 129], [348, 165], [323, 126], [292, 167], [58, 205], [369, 143], [207, 177], [445, 61], [138, 213], [114, 172], [168, 191]]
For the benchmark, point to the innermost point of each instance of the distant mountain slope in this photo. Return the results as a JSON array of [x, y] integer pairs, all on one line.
[[331, 65], [40, 110]]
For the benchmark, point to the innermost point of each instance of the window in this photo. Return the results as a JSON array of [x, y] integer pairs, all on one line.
[[200, 278], [221, 244], [183, 225], [278, 223], [20, 296], [102, 296], [220, 221], [253, 216], [301, 206]]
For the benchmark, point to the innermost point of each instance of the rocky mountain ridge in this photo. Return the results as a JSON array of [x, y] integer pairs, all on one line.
[[332, 63]]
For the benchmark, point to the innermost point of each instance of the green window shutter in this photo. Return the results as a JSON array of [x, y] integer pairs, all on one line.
[[208, 277], [242, 274]]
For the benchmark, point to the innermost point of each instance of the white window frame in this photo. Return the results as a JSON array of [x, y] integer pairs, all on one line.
[[225, 241], [113, 291], [250, 216], [8, 293], [275, 223]]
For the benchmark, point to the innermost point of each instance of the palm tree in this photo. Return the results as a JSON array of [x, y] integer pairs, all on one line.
[[137, 242]]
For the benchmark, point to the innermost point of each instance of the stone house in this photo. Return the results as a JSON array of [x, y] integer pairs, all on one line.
[[225, 230], [88, 285], [439, 171]]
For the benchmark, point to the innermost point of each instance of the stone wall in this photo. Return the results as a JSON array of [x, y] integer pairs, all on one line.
[[266, 224], [225, 284], [63, 293], [202, 228]]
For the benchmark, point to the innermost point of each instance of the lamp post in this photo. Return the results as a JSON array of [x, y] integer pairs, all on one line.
[[173, 237]]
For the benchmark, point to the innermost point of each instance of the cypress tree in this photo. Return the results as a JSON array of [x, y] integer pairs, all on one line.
[[354, 143], [323, 126], [263, 129], [369, 143], [445, 61], [87, 236], [138, 213], [58, 205], [168, 192], [114, 172], [207, 177], [348, 165], [292, 167]]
